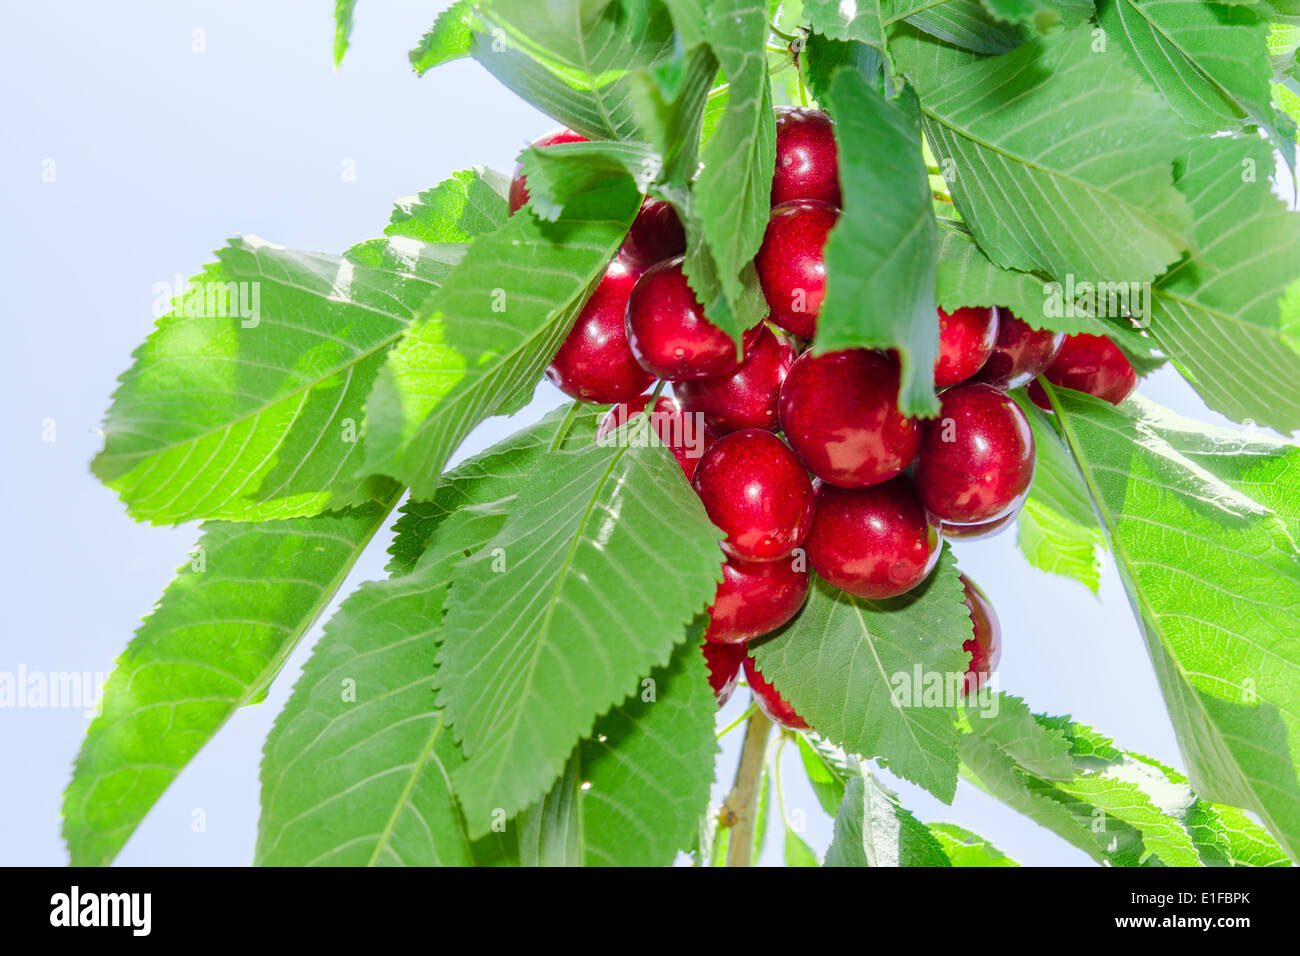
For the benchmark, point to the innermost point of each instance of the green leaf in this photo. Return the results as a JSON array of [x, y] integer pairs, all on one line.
[[550, 831], [879, 678], [797, 852], [873, 829], [573, 59], [220, 634], [1214, 580], [1042, 15], [669, 101], [1006, 722], [342, 28], [489, 332], [448, 39], [1208, 61], [469, 203], [964, 848], [258, 418], [822, 57], [828, 770], [1024, 189], [965, 23], [1057, 530], [561, 172], [1231, 314], [356, 771], [880, 256], [584, 591]]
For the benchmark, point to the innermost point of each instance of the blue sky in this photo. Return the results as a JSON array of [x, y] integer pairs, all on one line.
[[160, 151]]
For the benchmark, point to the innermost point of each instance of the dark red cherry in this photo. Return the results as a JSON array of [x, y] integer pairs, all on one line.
[[966, 339], [875, 542], [747, 397], [668, 332], [724, 662], [755, 490], [769, 701], [984, 529], [839, 412], [1021, 353], [1092, 364], [595, 363], [985, 646], [683, 434], [977, 458], [756, 597], [791, 267], [656, 235], [519, 185], [807, 166]]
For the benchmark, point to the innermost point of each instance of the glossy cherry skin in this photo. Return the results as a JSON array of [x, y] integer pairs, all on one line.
[[668, 332], [839, 412], [875, 542], [770, 702], [1092, 364], [791, 266], [595, 363], [807, 166], [966, 340], [519, 184], [724, 661], [985, 647], [755, 598], [977, 459], [984, 529], [754, 489], [1020, 354], [747, 397], [683, 434], [656, 234]]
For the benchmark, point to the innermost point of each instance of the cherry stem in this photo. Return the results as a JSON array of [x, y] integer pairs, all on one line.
[[562, 432], [738, 721], [740, 809]]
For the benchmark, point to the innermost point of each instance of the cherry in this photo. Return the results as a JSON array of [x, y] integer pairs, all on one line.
[[983, 529], [755, 598], [1092, 364], [875, 542], [839, 412], [769, 701], [724, 662], [656, 235], [791, 267], [977, 458], [595, 363], [806, 163], [519, 185], [683, 434], [1021, 353], [966, 340], [754, 489], [668, 332], [985, 646], [747, 397]]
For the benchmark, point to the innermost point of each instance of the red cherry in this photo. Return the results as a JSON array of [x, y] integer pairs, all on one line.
[[724, 662], [807, 166], [754, 489], [519, 185], [595, 363], [977, 459], [875, 542], [668, 332], [839, 412], [966, 339], [747, 397], [1021, 353], [769, 701], [985, 646], [1092, 364], [791, 267], [683, 434], [656, 235], [755, 598], [984, 529]]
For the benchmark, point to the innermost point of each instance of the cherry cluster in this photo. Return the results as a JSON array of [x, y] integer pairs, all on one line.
[[804, 459]]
